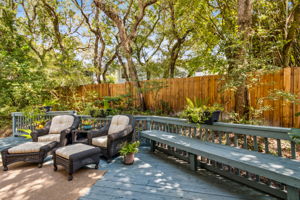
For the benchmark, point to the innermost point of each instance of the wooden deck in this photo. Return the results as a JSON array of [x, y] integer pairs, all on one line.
[[157, 177]]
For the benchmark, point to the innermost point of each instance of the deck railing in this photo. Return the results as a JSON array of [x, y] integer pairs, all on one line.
[[264, 139]]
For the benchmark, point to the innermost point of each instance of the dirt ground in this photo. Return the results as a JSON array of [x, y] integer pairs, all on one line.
[[5, 131]]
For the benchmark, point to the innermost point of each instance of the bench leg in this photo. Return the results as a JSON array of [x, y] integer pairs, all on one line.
[[193, 161], [292, 193], [152, 146], [70, 177]]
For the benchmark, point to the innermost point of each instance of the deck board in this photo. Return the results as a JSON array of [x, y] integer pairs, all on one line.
[[158, 177]]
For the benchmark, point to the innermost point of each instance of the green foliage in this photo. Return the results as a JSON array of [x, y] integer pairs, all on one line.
[[197, 112], [47, 49], [25, 133], [104, 112], [87, 122], [129, 148], [295, 135]]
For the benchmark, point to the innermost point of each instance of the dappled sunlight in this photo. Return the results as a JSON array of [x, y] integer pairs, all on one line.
[[159, 174], [144, 166], [275, 165], [25, 182], [248, 158]]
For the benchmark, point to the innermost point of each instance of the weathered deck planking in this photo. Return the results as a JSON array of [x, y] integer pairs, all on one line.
[[157, 177]]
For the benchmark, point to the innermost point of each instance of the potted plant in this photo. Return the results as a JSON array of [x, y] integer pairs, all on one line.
[[198, 112], [48, 105], [87, 124], [39, 124], [128, 150]]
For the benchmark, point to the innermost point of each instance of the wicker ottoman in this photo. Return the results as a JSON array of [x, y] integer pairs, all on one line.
[[75, 156], [34, 152]]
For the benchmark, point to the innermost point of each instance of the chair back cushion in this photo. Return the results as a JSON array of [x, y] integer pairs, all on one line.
[[60, 123], [118, 123]]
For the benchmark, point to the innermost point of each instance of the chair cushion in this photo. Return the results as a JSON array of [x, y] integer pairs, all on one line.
[[28, 147], [60, 123], [100, 141], [49, 138], [67, 151], [118, 123]]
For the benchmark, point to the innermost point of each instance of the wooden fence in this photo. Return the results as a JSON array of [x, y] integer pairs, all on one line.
[[176, 91]]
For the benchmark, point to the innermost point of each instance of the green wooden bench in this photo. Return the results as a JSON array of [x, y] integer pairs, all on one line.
[[283, 170]]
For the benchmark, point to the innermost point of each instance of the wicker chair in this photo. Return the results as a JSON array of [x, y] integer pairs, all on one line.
[[111, 137], [58, 129]]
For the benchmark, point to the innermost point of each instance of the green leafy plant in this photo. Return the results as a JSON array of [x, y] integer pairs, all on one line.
[[25, 133], [39, 124], [51, 102], [128, 148], [197, 112], [104, 112], [87, 122], [295, 135]]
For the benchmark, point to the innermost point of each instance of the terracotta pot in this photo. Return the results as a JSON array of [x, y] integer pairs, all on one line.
[[129, 159]]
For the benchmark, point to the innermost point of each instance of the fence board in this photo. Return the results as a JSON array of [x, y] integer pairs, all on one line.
[[208, 88]]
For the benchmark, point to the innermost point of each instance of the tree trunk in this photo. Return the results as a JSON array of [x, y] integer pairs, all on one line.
[[173, 57], [124, 66], [291, 37], [134, 76], [244, 22], [95, 59]]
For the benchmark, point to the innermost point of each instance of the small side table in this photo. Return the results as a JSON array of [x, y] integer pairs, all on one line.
[[80, 136]]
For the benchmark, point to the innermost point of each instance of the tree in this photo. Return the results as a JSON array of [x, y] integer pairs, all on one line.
[[127, 35], [245, 9], [98, 30], [177, 40], [291, 35]]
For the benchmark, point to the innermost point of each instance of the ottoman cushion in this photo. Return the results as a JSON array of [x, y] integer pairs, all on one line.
[[28, 147], [67, 151], [49, 138]]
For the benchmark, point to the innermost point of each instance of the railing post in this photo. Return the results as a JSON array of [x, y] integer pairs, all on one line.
[[148, 127], [148, 124], [14, 127], [193, 161], [292, 193]]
